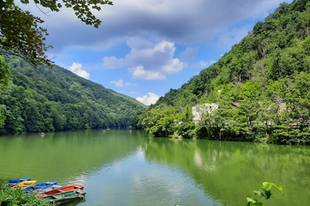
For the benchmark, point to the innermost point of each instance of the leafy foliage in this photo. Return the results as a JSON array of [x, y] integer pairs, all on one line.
[[264, 192], [40, 99], [16, 196], [4, 72], [82, 9], [160, 122], [261, 86], [22, 35]]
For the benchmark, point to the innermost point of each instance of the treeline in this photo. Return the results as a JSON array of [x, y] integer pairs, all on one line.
[[262, 87], [41, 99]]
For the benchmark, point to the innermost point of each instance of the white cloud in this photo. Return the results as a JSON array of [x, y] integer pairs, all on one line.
[[149, 99], [150, 61], [140, 73], [118, 83], [77, 69], [174, 66], [193, 22], [113, 62], [202, 64], [131, 84]]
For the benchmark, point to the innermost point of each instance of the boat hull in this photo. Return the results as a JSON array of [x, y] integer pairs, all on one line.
[[61, 190], [25, 184], [17, 181], [42, 187], [64, 197]]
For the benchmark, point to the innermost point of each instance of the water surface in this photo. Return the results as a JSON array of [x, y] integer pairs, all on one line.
[[122, 168]]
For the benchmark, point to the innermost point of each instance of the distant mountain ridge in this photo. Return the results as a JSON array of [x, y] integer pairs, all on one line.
[[268, 68], [55, 99]]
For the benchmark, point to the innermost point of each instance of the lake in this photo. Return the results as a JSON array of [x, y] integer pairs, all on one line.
[[119, 167]]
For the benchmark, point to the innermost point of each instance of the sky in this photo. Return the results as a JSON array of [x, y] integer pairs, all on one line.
[[144, 48]]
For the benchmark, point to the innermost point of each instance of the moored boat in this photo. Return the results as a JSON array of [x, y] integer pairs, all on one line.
[[63, 197], [25, 184], [42, 187], [17, 181], [61, 190]]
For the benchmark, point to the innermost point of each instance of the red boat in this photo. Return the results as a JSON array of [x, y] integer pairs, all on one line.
[[61, 190]]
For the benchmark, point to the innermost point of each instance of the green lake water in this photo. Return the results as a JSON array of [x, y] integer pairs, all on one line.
[[119, 168]]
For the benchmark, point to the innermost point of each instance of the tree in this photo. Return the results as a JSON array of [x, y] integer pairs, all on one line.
[[186, 125], [4, 72], [22, 35], [160, 121], [2, 117]]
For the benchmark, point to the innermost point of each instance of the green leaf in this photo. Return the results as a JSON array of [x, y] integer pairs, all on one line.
[[268, 194], [267, 185], [259, 193], [279, 187], [251, 200], [254, 202]]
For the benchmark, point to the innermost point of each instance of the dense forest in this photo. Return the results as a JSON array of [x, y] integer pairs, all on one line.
[[261, 87], [42, 99]]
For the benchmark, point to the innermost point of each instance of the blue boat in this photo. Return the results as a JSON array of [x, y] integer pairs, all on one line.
[[19, 180], [42, 187]]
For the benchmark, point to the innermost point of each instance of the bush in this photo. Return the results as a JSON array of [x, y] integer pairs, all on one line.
[[16, 196]]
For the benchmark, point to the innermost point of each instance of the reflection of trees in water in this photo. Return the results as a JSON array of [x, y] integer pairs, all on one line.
[[228, 171], [65, 155]]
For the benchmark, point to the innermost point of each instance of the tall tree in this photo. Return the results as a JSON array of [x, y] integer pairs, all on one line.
[[22, 35]]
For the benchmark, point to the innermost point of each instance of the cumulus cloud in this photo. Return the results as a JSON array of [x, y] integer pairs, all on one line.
[[193, 22], [202, 64], [149, 99], [77, 69], [131, 84], [140, 73], [118, 83], [150, 61], [113, 62]]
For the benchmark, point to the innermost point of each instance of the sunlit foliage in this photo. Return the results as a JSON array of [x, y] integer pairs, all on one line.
[[261, 86]]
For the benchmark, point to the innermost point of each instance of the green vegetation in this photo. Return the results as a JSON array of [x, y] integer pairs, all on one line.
[[16, 196], [21, 34], [35, 99], [43, 99], [264, 192], [261, 87]]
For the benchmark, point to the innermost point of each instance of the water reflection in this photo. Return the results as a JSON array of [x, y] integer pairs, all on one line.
[[122, 168], [63, 155], [137, 181], [230, 171]]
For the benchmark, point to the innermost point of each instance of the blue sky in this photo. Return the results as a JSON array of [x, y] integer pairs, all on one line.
[[145, 48]]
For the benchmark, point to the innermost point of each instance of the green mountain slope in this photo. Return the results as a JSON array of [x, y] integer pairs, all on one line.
[[262, 86], [43, 99]]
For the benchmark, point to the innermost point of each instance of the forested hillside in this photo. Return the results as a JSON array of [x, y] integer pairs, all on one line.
[[41, 99], [262, 87]]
